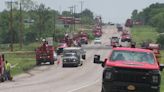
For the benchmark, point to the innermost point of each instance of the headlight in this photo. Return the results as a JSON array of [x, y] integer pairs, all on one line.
[[64, 60], [108, 75], [155, 79], [74, 60]]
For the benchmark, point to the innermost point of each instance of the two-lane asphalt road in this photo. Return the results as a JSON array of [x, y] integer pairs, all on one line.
[[55, 78]]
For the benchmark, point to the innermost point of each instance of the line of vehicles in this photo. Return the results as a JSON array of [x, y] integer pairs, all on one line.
[[131, 69], [122, 38], [69, 46], [126, 69], [70, 55]]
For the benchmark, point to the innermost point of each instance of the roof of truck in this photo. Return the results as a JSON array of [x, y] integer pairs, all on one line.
[[72, 48], [132, 49]]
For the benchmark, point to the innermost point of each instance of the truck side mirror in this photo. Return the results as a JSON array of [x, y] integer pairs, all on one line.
[[161, 67], [83, 57], [103, 64], [97, 59]]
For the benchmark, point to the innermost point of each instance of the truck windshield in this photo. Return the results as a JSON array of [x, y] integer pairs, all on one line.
[[115, 39], [132, 56]]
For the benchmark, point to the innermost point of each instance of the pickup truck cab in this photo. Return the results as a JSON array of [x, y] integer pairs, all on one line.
[[73, 56], [130, 70]]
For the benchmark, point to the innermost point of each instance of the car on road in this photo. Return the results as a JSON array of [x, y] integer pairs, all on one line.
[[97, 41], [115, 41], [130, 70], [73, 56], [119, 27]]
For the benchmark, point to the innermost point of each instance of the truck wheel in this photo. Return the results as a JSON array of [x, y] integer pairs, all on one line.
[[81, 64], [102, 90], [51, 62], [63, 65], [76, 65]]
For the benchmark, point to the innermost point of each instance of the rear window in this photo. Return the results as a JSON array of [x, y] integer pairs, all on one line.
[[132, 56]]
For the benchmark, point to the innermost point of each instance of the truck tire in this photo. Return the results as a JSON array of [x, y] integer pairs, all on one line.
[[51, 62], [102, 90], [81, 64], [86, 43], [76, 65]]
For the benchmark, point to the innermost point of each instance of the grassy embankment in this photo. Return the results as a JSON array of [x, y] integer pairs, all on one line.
[[142, 33]]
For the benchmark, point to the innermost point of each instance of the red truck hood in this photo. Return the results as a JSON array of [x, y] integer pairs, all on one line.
[[63, 45], [136, 65], [84, 38], [126, 37], [97, 33]]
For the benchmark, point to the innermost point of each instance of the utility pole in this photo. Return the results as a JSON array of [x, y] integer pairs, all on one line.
[[11, 24], [81, 2], [55, 27], [71, 11], [74, 12], [21, 27]]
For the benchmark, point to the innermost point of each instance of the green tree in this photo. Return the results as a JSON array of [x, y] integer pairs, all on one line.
[[87, 17], [66, 13], [135, 15], [158, 22]]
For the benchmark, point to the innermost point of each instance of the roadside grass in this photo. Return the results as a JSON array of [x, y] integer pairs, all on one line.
[[21, 62], [162, 62], [142, 33]]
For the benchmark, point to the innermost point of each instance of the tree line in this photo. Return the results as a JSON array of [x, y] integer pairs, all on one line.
[[153, 16], [39, 21]]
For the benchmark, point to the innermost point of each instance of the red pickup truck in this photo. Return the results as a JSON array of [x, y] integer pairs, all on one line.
[[130, 70]]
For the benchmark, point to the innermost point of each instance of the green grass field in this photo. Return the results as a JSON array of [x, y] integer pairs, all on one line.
[[21, 62], [142, 33]]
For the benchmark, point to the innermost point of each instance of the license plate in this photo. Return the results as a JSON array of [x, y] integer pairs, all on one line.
[[131, 87]]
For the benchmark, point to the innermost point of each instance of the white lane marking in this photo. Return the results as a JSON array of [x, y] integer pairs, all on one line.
[[87, 85]]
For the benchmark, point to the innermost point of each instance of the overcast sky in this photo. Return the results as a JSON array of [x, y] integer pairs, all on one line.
[[116, 11]]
